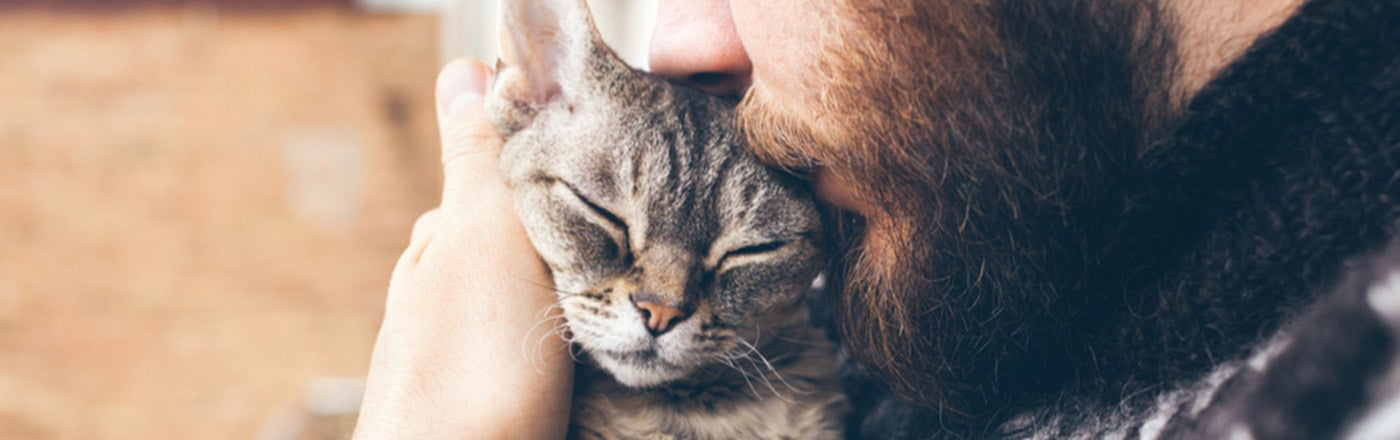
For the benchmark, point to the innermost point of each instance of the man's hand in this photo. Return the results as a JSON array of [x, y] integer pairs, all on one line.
[[466, 348]]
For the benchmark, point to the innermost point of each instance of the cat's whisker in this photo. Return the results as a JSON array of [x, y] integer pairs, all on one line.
[[749, 348], [753, 348], [544, 313], [805, 343], [773, 369], [568, 294], [564, 333], [537, 284], [535, 356], [561, 330], [539, 345], [547, 313], [550, 288], [744, 374], [731, 358], [541, 318], [758, 331], [768, 383], [747, 356]]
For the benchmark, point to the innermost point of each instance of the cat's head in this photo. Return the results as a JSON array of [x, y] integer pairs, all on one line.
[[672, 248]]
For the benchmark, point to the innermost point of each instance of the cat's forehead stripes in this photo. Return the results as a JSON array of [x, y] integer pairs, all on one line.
[[677, 177]]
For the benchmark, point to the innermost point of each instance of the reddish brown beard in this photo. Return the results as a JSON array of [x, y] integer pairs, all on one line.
[[993, 138]]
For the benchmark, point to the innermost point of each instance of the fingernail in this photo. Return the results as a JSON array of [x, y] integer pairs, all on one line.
[[460, 84]]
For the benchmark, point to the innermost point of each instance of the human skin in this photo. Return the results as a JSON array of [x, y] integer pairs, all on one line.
[[728, 47], [449, 361], [465, 349]]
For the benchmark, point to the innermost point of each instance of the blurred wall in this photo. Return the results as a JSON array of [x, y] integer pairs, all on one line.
[[201, 202], [199, 209], [469, 28], [226, 5]]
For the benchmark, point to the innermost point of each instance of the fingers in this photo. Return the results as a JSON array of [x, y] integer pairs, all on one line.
[[448, 360], [470, 144], [424, 227], [423, 231]]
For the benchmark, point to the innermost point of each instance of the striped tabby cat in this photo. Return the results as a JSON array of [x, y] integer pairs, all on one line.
[[681, 262]]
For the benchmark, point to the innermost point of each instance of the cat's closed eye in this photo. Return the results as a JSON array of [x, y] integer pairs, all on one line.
[[749, 252], [612, 223]]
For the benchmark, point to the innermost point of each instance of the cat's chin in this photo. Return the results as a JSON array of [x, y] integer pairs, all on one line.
[[638, 370]]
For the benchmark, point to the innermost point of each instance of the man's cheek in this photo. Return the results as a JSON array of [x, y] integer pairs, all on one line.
[[782, 38], [833, 188], [879, 245]]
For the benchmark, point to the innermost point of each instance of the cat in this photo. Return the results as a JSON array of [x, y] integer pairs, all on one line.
[[681, 263]]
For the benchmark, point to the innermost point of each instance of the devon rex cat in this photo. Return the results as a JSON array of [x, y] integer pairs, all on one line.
[[681, 263]]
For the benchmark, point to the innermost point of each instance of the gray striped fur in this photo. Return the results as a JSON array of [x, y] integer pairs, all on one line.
[[629, 185]]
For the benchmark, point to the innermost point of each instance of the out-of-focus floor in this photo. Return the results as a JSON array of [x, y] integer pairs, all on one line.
[[199, 210]]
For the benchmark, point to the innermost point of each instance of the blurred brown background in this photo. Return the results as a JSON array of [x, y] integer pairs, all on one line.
[[200, 204]]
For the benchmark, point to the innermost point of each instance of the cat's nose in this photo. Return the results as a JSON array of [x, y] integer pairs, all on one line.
[[659, 314]]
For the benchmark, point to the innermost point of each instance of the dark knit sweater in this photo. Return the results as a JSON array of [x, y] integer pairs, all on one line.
[[1281, 179]]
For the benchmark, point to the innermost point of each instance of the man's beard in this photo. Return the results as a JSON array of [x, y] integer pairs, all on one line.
[[994, 139]]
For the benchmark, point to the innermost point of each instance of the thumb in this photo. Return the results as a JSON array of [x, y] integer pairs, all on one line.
[[470, 144]]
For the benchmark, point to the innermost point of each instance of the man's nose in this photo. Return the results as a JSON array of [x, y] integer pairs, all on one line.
[[695, 43]]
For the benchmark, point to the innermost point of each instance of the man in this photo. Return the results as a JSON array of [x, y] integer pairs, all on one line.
[[1071, 217]]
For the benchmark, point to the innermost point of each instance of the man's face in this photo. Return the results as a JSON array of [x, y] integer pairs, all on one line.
[[975, 143], [727, 48]]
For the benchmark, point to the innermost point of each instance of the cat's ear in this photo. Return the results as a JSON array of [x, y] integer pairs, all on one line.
[[547, 49]]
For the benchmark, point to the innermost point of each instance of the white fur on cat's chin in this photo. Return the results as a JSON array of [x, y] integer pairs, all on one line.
[[635, 376], [674, 352]]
